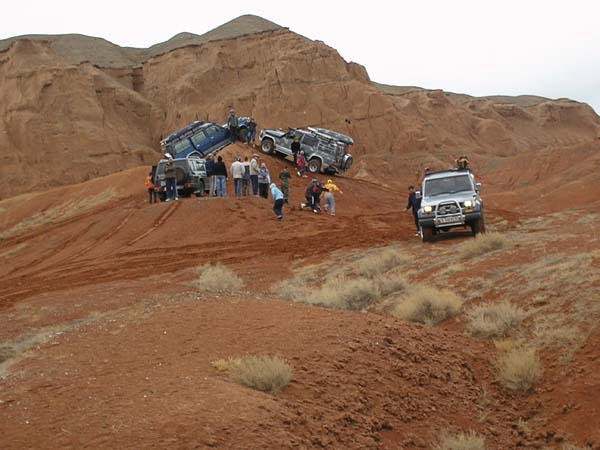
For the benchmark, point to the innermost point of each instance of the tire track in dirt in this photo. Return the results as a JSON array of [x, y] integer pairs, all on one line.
[[161, 220]]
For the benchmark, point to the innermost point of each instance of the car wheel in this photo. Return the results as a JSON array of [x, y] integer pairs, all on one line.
[[476, 227], [314, 165], [267, 145], [243, 134], [426, 234]]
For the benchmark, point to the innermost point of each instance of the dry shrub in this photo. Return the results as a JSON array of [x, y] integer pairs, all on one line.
[[494, 320], [7, 352], [225, 365], [462, 441], [482, 244], [574, 447], [428, 305], [379, 263], [295, 289], [390, 284], [519, 368], [217, 278], [264, 373], [343, 293]]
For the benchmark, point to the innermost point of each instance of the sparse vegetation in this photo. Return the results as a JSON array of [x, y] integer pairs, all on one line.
[[494, 320], [217, 279], [574, 447], [7, 352], [343, 293], [462, 441], [482, 244], [428, 305], [519, 368], [380, 262], [264, 373]]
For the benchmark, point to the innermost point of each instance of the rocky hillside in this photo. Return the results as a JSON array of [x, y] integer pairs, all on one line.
[[69, 110]]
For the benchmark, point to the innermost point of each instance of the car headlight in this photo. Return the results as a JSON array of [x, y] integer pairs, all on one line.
[[427, 209], [469, 204]]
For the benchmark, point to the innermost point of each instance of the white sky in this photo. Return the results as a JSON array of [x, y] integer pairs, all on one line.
[[483, 47]]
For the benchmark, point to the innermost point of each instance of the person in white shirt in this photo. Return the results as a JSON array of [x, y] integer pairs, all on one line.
[[237, 172]]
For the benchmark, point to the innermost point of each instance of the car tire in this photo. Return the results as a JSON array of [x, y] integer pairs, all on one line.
[[267, 146], [476, 227], [426, 234], [314, 165], [242, 134]]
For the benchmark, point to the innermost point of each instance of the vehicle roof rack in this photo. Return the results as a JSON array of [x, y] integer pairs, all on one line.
[[184, 132], [435, 172]]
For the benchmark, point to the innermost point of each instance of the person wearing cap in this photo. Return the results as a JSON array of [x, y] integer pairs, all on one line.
[[278, 201], [264, 180], [251, 132], [330, 188], [285, 178], [237, 172], [254, 169], [171, 180], [232, 122]]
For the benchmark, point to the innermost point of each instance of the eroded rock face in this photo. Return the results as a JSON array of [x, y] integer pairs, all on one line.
[[62, 123]]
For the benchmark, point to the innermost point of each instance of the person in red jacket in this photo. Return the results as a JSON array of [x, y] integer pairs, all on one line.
[[301, 164], [151, 189]]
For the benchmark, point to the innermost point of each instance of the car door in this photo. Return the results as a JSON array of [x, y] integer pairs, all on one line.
[[201, 142], [218, 137]]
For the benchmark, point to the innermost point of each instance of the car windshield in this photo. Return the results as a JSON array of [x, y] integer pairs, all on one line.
[[448, 185]]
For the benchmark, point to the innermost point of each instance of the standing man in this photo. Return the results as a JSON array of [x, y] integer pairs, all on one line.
[[414, 202], [330, 188], [295, 150], [285, 178], [221, 176], [232, 121], [251, 132], [237, 172], [278, 204], [171, 180], [151, 189], [254, 170], [246, 178], [210, 169]]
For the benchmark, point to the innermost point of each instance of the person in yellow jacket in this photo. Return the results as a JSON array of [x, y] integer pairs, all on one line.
[[329, 189], [151, 189]]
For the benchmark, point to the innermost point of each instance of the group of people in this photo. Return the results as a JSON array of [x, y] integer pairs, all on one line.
[[234, 126], [313, 196]]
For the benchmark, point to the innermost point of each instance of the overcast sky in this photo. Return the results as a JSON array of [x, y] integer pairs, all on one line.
[[483, 47]]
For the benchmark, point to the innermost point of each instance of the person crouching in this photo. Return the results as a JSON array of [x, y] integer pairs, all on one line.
[[278, 198]]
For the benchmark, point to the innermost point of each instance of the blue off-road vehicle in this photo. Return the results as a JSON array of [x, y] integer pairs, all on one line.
[[201, 138]]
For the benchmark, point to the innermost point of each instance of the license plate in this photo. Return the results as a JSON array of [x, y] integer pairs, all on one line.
[[449, 220]]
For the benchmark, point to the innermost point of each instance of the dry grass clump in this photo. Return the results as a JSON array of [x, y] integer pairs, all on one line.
[[379, 263], [574, 447], [428, 305], [482, 244], [217, 278], [462, 441], [343, 293], [494, 320], [390, 284], [295, 289], [519, 368], [261, 372], [7, 352]]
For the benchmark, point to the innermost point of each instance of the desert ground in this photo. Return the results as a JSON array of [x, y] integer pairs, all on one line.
[[116, 335]]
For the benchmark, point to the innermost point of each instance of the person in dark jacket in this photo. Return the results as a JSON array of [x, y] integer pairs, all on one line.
[[251, 132], [414, 202], [285, 176], [171, 180], [295, 147], [232, 121], [313, 196], [220, 172], [210, 168]]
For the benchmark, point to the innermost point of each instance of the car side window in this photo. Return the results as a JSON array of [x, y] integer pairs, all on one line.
[[309, 140], [180, 146], [198, 139], [212, 130]]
